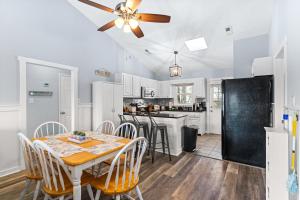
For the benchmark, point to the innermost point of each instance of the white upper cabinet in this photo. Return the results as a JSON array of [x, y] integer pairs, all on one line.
[[199, 89], [262, 66], [165, 89], [127, 85], [136, 86]]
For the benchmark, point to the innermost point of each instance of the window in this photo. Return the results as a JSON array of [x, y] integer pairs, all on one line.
[[217, 93], [184, 94]]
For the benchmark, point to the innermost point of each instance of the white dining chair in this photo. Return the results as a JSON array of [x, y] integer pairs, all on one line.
[[106, 127], [126, 130], [32, 166], [49, 129], [57, 182], [121, 179]]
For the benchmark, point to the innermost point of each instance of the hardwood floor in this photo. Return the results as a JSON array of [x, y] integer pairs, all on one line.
[[187, 177]]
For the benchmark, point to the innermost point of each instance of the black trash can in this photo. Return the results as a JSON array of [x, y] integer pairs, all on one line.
[[190, 138]]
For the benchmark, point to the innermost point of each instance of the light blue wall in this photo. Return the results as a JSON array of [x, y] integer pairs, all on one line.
[[245, 51], [53, 30], [286, 24]]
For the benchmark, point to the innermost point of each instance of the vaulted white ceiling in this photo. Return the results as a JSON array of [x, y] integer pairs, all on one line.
[[190, 19]]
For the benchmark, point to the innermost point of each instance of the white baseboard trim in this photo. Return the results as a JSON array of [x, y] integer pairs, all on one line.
[[10, 171]]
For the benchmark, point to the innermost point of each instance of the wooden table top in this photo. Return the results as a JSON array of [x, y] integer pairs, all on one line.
[[84, 157]]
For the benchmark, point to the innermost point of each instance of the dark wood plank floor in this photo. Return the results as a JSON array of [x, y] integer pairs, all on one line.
[[187, 177]]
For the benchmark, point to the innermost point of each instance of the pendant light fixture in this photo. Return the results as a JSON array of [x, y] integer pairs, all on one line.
[[175, 70]]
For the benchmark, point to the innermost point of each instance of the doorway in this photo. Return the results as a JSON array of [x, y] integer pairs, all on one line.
[[210, 145], [43, 91]]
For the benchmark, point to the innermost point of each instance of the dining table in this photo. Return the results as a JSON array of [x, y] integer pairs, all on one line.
[[78, 157]]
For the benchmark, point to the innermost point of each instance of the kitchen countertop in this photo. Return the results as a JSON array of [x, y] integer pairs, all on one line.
[[183, 111], [161, 115]]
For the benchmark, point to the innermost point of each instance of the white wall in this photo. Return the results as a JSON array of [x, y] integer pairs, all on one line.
[[9, 148], [286, 25], [245, 51]]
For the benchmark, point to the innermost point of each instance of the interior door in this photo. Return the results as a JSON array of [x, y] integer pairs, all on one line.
[[215, 108], [65, 116]]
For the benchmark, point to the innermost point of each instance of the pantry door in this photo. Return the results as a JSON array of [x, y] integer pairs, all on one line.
[[65, 100]]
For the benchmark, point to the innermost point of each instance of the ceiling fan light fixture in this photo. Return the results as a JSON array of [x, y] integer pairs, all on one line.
[[127, 28], [133, 23], [119, 22], [129, 3]]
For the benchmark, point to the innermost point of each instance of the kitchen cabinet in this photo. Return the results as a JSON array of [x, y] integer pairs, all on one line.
[[164, 89], [199, 89], [107, 102], [193, 119], [276, 164], [262, 66], [136, 86], [127, 85]]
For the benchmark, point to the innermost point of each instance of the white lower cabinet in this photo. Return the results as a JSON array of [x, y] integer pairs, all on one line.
[[276, 164]]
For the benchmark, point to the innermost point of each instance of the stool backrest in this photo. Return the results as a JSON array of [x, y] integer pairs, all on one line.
[[127, 174], [126, 130], [136, 121], [53, 168], [49, 129], [122, 119], [106, 127], [153, 122], [31, 161]]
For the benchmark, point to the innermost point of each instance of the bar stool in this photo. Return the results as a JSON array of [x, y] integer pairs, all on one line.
[[141, 125], [155, 127]]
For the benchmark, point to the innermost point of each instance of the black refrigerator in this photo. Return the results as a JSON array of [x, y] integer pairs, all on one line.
[[247, 109]]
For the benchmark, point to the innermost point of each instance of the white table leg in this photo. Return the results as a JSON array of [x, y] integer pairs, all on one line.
[[76, 178]]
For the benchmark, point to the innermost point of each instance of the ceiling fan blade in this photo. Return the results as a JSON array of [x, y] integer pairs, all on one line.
[[107, 26], [138, 32], [133, 4], [96, 5], [146, 17]]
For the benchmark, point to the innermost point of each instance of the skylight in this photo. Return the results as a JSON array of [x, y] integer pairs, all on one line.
[[196, 44]]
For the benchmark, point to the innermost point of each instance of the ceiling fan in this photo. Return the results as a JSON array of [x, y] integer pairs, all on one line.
[[128, 18]]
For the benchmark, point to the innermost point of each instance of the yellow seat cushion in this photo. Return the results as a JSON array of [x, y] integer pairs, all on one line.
[[99, 183], [34, 176], [85, 180]]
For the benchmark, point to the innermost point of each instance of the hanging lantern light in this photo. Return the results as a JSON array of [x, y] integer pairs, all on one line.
[[175, 70]]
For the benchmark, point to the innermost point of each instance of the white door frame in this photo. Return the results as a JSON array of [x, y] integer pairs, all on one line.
[[280, 54], [23, 62]]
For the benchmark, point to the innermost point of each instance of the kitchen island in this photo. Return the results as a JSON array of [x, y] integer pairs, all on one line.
[[174, 122]]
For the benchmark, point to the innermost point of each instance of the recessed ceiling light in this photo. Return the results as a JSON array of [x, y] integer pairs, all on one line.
[[196, 44]]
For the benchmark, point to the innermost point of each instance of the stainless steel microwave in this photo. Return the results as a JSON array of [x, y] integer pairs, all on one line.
[[148, 92]]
